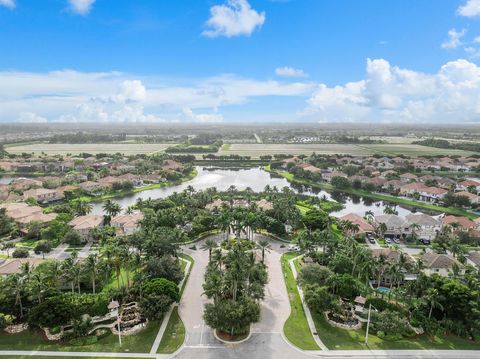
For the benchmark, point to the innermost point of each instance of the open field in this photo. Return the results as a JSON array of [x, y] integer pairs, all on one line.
[[93, 148], [256, 150]]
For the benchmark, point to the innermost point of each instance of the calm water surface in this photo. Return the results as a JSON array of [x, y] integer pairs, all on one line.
[[256, 179]]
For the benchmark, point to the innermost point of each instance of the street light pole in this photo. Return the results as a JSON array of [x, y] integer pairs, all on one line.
[[119, 335], [368, 324]]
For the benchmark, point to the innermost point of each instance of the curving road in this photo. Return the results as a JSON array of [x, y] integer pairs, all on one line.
[[267, 340]]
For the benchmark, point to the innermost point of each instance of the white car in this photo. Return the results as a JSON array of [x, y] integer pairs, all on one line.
[[293, 247]]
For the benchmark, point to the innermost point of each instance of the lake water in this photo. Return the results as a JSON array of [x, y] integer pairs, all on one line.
[[256, 179]]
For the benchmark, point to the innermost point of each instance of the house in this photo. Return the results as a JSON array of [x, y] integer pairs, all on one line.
[[310, 168], [42, 195], [216, 204], [392, 256], [376, 181], [264, 205], [428, 226], [463, 223], [395, 225], [387, 174], [171, 165], [3, 192], [364, 227], [477, 222], [85, 224], [90, 186], [61, 190], [467, 184], [14, 266], [21, 183], [408, 177], [432, 194], [108, 181], [393, 184], [412, 188], [442, 264], [474, 257], [135, 179], [473, 198], [127, 224], [327, 177]]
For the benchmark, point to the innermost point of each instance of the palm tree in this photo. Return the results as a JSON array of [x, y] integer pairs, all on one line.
[[264, 245], [209, 246], [91, 267], [111, 208], [432, 299], [17, 283], [81, 207]]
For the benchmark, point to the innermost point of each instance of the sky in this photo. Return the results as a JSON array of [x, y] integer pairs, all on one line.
[[395, 61]]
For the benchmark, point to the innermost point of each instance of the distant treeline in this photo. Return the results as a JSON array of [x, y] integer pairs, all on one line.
[[353, 139], [437, 143], [82, 137], [191, 147]]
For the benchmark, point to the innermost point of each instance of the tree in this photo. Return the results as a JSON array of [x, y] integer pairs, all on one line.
[[42, 247], [233, 317], [164, 267], [209, 245], [52, 312], [20, 253], [91, 268], [314, 273], [319, 299], [432, 300], [111, 208], [340, 182], [264, 246], [74, 238], [158, 295], [81, 207]]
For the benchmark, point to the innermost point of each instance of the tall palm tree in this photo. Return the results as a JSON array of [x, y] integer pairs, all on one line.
[[81, 207], [209, 246], [17, 283], [111, 208], [91, 268], [432, 299], [264, 246]]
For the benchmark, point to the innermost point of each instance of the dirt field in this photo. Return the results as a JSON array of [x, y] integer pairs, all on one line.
[[94, 148], [256, 150]]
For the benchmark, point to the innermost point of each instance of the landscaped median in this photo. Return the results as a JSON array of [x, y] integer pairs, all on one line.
[[296, 327], [380, 197]]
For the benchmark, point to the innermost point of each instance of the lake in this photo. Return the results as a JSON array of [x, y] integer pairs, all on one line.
[[256, 179]]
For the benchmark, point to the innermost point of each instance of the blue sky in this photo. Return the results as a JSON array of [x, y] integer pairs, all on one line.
[[239, 60]]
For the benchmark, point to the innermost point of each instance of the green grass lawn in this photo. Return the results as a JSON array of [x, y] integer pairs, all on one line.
[[34, 340], [174, 335], [336, 338], [341, 339], [296, 327], [123, 279]]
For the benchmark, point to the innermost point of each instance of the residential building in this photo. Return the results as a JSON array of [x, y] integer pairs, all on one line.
[[428, 226], [364, 227], [463, 223], [85, 224], [395, 225], [441, 264], [127, 224], [42, 195]]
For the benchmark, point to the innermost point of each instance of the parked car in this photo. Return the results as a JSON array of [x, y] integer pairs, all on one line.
[[293, 248], [388, 241], [425, 241], [371, 240]]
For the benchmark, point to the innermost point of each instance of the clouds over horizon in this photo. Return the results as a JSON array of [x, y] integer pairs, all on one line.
[[387, 93], [392, 94]]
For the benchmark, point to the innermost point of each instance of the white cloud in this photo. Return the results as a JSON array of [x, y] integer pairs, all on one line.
[[234, 18], [10, 4], [81, 7], [30, 117], [454, 39], [76, 96], [289, 72], [470, 9], [214, 117], [393, 94]]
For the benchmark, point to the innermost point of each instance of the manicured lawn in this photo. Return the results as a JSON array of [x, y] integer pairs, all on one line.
[[123, 279], [296, 327], [336, 338], [184, 265], [341, 339], [33, 340], [174, 335]]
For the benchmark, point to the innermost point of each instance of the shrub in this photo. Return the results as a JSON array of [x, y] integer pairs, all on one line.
[[20, 253]]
